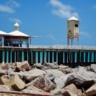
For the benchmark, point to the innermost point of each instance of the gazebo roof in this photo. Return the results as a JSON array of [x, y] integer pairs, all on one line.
[[2, 33], [18, 33]]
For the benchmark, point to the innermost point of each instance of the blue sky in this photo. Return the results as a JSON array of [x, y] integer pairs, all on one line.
[[47, 19]]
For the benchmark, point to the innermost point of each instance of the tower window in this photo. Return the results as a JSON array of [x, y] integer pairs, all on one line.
[[76, 25]]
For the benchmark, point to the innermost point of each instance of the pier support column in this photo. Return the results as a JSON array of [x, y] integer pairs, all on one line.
[[45, 57], [52, 57], [49, 57], [7, 57], [63, 57], [31, 57], [22, 56], [57, 57], [41, 57], [10, 56], [36, 57], [15, 56], [27, 56], [3, 56]]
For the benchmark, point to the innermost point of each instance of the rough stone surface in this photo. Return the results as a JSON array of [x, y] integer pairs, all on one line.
[[32, 89], [43, 83], [55, 72], [4, 88], [91, 91], [17, 83], [22, 66]]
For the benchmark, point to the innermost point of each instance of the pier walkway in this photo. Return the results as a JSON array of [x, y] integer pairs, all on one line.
[[62, 54]]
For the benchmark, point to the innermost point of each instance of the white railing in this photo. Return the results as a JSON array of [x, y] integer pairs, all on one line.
[[78, 47]]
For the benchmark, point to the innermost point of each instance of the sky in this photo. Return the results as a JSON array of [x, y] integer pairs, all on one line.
[[47, 19]]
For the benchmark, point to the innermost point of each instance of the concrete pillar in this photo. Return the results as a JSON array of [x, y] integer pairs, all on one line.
[[92, 57], [52, 56], [15, 56], [22, 56], [45, 57], [10, 56], [7, 57], [75, 57], [36, 57], [49, 57], [57, 57], [63, 57], [40, 57], [31, 57], [3, 56], [27, 56], [88, 57]]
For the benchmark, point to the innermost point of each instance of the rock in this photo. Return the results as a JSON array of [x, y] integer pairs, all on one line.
[[93, 67], [4, 66], [65, 69], [17, 83], [36, 72], [82, 78], [54, 72], [36, 91], [51, 65], [22, 66], [68, 93], [56, 91], [61, 81], [38, 65], [5, 80], [91, 91], [43, 83], [4, 88], [71, 89]]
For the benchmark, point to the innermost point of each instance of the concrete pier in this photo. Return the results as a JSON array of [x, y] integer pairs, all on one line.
[[68, 55]]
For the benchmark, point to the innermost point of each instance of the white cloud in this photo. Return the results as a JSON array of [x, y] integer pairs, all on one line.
[[7, 9], [62, 10], [9, 6], [14, 20], [13, 3]]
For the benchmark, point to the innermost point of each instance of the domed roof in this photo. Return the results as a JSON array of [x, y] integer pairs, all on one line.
[[73, 18], [16, 24]]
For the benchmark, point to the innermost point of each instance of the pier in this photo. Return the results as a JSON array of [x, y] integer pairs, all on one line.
[[68, 55]]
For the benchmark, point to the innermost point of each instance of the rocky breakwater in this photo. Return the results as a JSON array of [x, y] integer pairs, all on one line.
[[48, 79]]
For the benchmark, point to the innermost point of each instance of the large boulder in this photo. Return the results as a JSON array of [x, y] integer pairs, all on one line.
[[65, 69], [61, 80], [93, 67], [91, 91], [82, 78], [22, 66], [51, 65], [5, 80], [54, 72], [43, 83], [4, 88], [71, 89], [4, 66], [17, 83], [36, 91], [12, 81]]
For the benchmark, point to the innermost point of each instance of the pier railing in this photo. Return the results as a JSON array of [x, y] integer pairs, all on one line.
[[55, 47]]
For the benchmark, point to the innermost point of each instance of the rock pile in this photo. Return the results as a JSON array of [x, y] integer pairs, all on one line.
[[49, 78]]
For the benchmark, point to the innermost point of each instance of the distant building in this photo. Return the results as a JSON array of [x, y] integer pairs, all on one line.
[[73, 30], [15, 38]]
